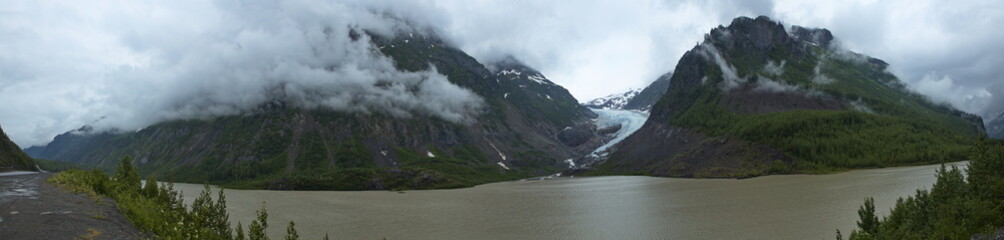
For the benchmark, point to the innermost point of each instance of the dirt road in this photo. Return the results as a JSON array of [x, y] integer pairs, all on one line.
[[30, 208]]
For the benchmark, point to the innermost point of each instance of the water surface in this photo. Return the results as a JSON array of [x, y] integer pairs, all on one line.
[[772, 207]]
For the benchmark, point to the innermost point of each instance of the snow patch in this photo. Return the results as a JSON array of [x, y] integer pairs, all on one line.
[[570, 162], [506, 95], [16, 173], [497, 150], [429, 153], [383, 152], [503, 165], [510, 72], [539, 79]]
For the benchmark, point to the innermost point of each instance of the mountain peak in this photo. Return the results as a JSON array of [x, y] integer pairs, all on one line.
[[615, 101], [748, 33], [514, 69], [818, 36]]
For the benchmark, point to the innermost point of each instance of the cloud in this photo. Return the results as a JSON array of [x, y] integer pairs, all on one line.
[[942, 88], [67, 63], [730, 77], [135, 65], [917, 38], [773, 68]]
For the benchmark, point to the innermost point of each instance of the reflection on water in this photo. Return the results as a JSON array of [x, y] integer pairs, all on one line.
[[773, 207]]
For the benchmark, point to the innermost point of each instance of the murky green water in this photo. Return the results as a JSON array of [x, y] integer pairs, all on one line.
[[773, 207]]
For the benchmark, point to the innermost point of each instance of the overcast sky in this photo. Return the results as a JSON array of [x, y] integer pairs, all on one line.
[[65, 64]]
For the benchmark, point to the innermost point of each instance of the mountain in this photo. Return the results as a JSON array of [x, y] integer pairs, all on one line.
[[613, 101], [650, 95], [281, 146], [12, 158], [995, 128], [755, 99], [634, 99]]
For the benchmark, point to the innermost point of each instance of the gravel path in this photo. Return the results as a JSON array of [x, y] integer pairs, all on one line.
[[30, 208]]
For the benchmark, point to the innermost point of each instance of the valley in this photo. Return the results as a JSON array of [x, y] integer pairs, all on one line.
[[374, 119]]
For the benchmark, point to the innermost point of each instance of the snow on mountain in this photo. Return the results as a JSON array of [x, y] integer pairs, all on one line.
[[613, 101]]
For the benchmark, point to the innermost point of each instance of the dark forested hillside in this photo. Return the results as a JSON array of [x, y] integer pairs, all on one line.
[[11, 156], [754, 99]]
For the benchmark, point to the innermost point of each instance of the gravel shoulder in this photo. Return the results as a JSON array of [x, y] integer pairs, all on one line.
[[31, 208]]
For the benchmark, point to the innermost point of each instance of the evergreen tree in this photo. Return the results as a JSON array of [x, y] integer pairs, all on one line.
[[126, 176], [201, 213], [240, 232], [291, 232], [150, 189], [869, 223], [256, 230], [220, 222]]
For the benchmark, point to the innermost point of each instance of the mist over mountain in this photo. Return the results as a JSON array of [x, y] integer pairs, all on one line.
[[509, 132]]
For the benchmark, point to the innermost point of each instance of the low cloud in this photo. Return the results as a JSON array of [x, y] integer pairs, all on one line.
[[730, 77], [942, 88], [230, 59], [773, 68]]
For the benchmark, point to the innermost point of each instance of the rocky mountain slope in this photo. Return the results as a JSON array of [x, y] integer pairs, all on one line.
[[754, 99], [11, 156], [650, 95], [280, 146]]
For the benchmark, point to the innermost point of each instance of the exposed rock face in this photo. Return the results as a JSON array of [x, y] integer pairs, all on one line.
[[575, 136], [748, 35], [818, 36], [650, 95]]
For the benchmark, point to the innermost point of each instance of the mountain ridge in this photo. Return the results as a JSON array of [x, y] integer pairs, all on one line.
[[753, 99], [284, 147]]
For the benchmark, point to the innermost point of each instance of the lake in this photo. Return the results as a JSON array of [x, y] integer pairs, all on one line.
[[617, 207]]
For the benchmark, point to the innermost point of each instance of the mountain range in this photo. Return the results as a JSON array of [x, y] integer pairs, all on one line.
[[281, 146], [753, 98], [756, 98]]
